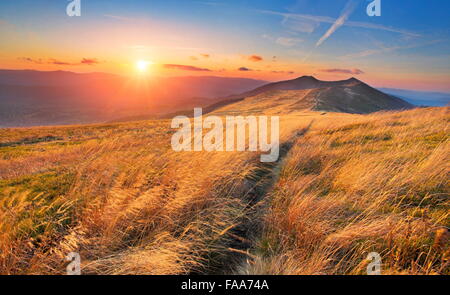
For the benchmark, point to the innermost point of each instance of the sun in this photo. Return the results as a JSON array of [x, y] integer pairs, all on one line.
[[142, 65]]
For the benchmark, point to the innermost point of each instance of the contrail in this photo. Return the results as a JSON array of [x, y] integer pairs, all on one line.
[[349, 8]]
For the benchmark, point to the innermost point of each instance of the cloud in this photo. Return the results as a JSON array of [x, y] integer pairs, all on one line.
[[89, 61], [54, 61], [283, 72], [211, 3], [121, 18], [349, 8], [284, 41], [298, 25], [369, 52], [244, 69], [61, 63], [185, 68], [255, 58], [31, 60], [343, 71], [331, 20], [288, 42], [204, 55]]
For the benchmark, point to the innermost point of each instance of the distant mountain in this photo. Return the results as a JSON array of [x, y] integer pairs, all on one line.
[[308, 93], [420, 98], [301, 83], [29, 98], [51, 78]]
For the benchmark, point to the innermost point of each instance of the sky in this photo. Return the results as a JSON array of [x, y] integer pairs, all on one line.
[[407, 47]]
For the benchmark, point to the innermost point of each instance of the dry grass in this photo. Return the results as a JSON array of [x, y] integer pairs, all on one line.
[[379, 184], [119, 196]]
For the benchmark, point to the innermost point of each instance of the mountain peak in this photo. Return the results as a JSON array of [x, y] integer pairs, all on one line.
[[306, 78], [348, 96], [353, 79]]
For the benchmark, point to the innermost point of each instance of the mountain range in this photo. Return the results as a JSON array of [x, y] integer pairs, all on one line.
[[308, 93], [420, 98], [30, 98]]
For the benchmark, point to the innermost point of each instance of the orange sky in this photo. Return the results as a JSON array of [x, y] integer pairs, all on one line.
[[261, 44]]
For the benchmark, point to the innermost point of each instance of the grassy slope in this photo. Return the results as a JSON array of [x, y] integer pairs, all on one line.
[[121, 197], [377, 184]]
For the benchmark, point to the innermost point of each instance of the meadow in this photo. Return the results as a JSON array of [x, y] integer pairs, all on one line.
[[120, 196], [378, 184]]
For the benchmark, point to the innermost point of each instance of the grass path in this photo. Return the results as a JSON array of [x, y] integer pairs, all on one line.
[[247, 235]]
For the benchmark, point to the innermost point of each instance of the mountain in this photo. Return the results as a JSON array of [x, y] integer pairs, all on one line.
[[29, 98], [422, 98], [301, 83], [308, 93]]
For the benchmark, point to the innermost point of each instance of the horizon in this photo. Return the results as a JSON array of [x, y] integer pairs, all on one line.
[[234, 77], [281, 41]]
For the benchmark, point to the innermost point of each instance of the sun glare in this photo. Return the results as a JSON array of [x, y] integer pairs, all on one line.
[[142, 65]]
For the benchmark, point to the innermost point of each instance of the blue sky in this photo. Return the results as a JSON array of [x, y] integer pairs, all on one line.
[[406, 47]]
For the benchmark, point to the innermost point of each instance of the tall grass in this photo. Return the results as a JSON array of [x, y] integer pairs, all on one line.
[[118, 195], [379, 184]]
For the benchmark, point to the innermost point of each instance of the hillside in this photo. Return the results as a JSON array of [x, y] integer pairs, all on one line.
[[117, 194], [307, 93], [300, 83], [346, 189]]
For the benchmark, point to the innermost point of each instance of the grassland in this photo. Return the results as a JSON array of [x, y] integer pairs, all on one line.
[[378, 184], [118, 195]]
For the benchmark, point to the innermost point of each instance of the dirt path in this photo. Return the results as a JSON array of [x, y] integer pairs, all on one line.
[[245, 236]]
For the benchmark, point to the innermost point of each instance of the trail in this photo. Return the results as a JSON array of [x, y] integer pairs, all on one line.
[[245, 236]]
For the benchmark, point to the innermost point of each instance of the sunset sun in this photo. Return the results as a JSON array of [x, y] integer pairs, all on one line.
[[142, 65]]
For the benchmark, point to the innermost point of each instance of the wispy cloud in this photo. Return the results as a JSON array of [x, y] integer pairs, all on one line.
[[331, 20], [343, 71], [255, 58], [185, 68], [121, 18], [340, 21], [211, 3], [244, 69], [203, 55], [381, 27], [384, 49], [89, 61], [287, 41], [300, 25], [54, 61], [283, 72]]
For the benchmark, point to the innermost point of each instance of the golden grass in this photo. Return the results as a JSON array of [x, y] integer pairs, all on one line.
[[119, 196], [379, 184]]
